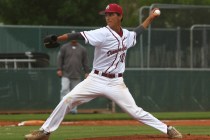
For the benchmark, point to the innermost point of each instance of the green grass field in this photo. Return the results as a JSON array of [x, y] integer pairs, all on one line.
[[64, 132]]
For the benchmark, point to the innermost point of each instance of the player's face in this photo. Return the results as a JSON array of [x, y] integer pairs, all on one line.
[[113, 19]]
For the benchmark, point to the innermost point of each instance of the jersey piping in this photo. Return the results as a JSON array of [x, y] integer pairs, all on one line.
[[85, 36]]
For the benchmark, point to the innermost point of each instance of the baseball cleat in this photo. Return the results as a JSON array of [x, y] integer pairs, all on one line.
[[37, 135], [173, 133]]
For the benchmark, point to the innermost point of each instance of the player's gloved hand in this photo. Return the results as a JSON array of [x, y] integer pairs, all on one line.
[[50, 41]]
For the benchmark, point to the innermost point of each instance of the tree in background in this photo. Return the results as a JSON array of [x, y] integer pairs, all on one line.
[[169, 17], [85, 12], [53, 12]]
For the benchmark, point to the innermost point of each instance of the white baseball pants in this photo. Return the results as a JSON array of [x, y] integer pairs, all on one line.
[[98, 86]]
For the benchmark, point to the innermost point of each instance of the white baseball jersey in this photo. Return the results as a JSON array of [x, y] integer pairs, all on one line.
[[110, 48]]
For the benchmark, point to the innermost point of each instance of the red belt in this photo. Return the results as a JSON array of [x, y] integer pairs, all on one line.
[[108, 75]]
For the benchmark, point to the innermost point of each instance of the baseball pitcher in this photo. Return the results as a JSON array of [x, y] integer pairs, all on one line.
[[106, 78]]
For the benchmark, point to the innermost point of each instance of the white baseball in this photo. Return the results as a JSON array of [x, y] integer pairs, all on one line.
[[157, 11]]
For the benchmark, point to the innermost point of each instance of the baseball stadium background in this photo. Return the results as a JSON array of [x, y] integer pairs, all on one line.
[[167, 70]]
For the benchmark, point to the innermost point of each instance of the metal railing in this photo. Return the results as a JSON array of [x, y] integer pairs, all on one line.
[[16, 61]]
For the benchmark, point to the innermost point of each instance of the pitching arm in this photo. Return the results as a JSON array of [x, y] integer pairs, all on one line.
[[146, 22]]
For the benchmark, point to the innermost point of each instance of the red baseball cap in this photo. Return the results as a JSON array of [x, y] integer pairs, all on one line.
[[112, 8]]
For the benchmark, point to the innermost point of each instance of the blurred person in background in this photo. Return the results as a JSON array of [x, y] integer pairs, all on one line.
[[72, 61]]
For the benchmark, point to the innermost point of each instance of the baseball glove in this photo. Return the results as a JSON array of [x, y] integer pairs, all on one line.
[[50, 41]]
